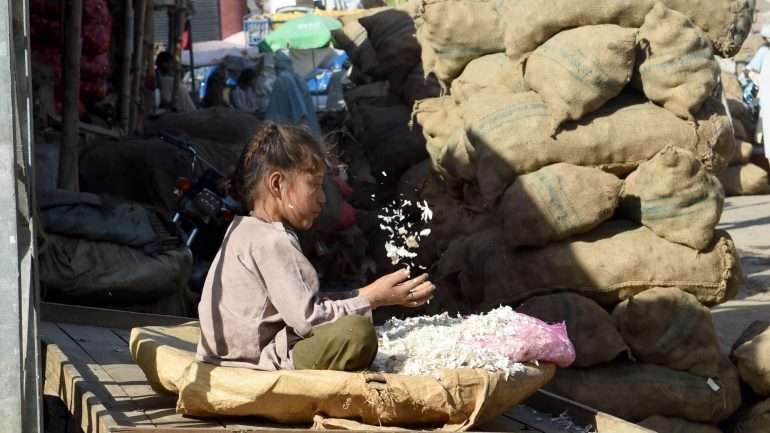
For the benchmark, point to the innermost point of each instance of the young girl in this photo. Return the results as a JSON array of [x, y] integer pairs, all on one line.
[[261, 307]]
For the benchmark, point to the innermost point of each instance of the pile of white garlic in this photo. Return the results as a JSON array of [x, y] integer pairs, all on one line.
[[421, 345]]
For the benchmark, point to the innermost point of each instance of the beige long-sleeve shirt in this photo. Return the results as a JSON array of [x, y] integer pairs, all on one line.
[[261, 297]]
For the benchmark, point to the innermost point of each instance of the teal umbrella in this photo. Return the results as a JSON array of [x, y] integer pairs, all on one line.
[[305, 33]]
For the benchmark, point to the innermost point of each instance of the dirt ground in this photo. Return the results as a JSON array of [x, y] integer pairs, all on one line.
[[747, 219]]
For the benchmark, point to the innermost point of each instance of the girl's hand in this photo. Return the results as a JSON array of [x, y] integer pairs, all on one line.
[[395, 289]]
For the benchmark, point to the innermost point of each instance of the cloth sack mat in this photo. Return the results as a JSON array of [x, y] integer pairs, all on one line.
[[453, 399], [746, 179]]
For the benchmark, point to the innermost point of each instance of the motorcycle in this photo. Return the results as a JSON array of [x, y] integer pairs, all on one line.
[[204, 211]]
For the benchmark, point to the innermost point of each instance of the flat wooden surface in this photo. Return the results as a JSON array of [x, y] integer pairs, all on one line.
[[89, 368]]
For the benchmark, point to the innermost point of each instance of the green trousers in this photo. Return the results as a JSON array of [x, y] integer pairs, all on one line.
[[347, 344]]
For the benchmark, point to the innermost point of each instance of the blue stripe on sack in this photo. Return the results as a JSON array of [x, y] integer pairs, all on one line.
[[571, 61], [512, 113]]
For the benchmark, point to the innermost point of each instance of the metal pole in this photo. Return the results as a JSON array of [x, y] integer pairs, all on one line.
[[19, 399], [68, 160]]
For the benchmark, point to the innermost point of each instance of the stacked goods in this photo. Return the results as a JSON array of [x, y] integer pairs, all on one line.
[[744, 179], [382, 46], [751, 354], [95, 65], [572, 174]]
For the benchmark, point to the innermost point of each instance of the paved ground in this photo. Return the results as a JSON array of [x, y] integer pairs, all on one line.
[[747, 219]]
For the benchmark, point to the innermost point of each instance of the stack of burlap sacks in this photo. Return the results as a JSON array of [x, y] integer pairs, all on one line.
[[572, 174], [743, 177], [382, 46]]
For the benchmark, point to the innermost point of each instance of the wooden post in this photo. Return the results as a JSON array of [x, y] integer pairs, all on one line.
[[148, 97], [125, 67], [138, 69], [68, 160]]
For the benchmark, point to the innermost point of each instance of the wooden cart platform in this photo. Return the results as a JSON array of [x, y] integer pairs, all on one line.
[[92, 385]]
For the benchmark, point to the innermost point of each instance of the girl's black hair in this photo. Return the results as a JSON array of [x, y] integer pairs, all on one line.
[[274, 146]]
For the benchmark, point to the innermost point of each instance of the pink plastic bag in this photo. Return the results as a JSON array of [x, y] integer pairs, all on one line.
[[530, 339]]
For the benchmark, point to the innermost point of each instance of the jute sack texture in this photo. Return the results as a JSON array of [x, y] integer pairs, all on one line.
[[662, 424], [675, 197], [755, 419], [480, 272], [669, 327], [590, 327], [579, 70], [456, 32], [638, 391], [446, 141], [746, 179], [453, 399], [556, 202], [529, 23], [676, 66], [492, 74], [509, 134], [742, 153], [751, 353]]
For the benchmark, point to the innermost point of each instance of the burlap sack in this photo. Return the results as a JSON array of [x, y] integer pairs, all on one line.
[[529, 23], [590, 328], [510, 136], [458, 31], [637, 391], [392, 34], [662, 424], [727, 23], [556, 202], [446, 141], [676, 66], [609, 264], [739, 111], [360, 93], [742, 154], [749, 48], [417, 86], [716, 137], [751, 354], [454, 399], [108, 274], [390, 144], [668, 327], [579, 70], [492, 74], [674, 196], [747, 179], [352, 38], [754, 420]]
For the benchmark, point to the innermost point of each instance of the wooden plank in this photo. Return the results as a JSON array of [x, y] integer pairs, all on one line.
[[64, 379], [123, 334], [62, 313], [552, 404], [503, 424], [535, 419], [112, 353]]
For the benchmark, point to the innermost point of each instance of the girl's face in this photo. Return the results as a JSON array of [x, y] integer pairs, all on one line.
[[302, 199]]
